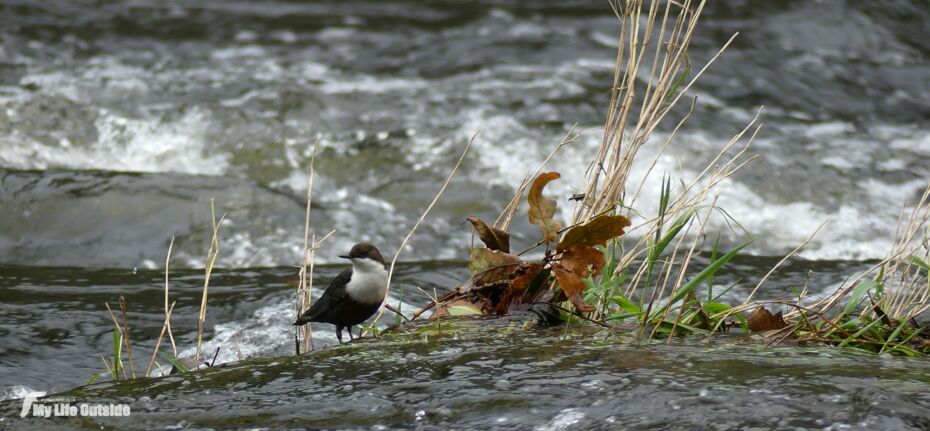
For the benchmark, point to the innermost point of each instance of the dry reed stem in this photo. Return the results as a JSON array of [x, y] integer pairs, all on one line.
[[785, 259], [653, 108], [212, 254], [506, 216], [167, 314], [303, 287], [122, 306], [420, 220], [148, 370]]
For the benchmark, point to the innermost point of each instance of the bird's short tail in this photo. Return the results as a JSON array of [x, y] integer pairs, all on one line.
[[302, 320]]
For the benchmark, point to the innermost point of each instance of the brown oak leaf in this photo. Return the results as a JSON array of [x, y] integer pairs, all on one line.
[[572, 286], [541, 209], [597, 231], [582, 260]]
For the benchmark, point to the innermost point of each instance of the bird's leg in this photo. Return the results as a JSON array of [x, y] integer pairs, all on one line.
[[339, 333], [350, 334]]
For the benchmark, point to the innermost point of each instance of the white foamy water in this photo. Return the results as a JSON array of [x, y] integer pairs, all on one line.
[[251, 106], [859, 227], [123, 144], [269, 332], [17, 392]]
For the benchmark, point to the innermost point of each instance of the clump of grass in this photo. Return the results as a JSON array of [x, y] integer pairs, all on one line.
[[644, 280], [878, 310], [212, 253], [652, 280], [121, 336]]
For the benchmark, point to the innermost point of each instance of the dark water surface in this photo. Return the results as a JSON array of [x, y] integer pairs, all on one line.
[[121, 120], [494, 375], [498, 374]]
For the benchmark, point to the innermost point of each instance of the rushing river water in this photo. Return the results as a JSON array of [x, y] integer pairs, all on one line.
[[120, 121]]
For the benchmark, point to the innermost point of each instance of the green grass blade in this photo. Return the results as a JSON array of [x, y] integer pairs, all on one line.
[[117, 350], [857, 295], [700, 278], [96, 376], [919, 262], [626, 305], [177, 364], [894, 335], [859, 333]]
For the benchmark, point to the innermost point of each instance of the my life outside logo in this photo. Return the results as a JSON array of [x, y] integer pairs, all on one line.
[[66, 407]]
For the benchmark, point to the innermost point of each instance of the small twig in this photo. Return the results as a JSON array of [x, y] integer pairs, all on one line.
[[787, 256], [215, 355], [167, 310], [148, 371], [122, 306], [396, 311], [420, 220], [212, 252]]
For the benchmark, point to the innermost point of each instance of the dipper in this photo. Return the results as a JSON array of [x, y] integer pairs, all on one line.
[[354, 295]]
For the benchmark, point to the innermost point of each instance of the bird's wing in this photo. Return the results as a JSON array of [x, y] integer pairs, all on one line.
[[334, 294]]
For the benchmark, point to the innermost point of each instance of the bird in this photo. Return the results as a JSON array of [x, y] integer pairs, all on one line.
[[354, 295]]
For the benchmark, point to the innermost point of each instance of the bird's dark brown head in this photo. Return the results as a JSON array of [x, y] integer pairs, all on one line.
[[364, 250]]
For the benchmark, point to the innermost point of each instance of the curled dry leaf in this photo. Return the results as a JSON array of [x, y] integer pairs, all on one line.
[[763, 320], [492, 237], [572, 286], [541, 209], [597, 231]]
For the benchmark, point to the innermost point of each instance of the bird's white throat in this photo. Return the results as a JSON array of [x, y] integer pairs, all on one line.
[[369, 281]]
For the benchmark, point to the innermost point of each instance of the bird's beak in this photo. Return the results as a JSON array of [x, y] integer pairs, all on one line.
[[345, 257]]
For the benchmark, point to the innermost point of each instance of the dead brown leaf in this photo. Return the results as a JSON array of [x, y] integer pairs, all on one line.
[[521, 281], [763, 320], [572, 286], [483, 260], [597, 231], [492, 237], [541, 209], [582, 260]]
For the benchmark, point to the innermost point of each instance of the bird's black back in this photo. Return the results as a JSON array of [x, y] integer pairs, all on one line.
[[336, 307], [334, 295]]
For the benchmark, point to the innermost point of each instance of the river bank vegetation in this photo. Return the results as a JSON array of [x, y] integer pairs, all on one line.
[[607, 264]]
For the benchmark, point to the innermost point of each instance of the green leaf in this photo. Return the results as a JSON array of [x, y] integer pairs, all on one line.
[[859, 333], [177, 364], [894, 335], [857, 295], [672, 233], [117, 349], [715, 307], [626, 305], [919, 262], [672, 324]]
